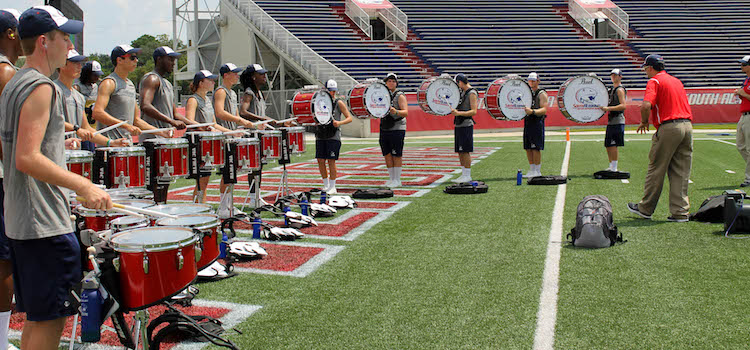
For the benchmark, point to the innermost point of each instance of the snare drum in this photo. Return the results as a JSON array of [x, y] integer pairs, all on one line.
[[212, 149], [312, 107], [125, 223], [208, 225], [506, 98], [154, 264], [247, 151], [370, 100], [171, 158], [79, 162], [97, 220], [438, 95], [123, 166], [118, 194], [295, 137], [581, 97], [271, 143]]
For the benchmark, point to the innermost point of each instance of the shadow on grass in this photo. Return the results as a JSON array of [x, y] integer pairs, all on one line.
[[636, 222], [720, 188]]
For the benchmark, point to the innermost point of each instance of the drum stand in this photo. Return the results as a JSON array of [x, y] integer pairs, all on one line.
[[140, 329], [286, 158]]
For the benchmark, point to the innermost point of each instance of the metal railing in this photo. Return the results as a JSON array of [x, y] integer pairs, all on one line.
[[583, 17], [359, 16], [289, 44], [398, 20], [619, 19]]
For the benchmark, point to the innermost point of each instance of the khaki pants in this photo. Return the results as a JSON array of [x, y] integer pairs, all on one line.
[[671, 154], [743, 142]]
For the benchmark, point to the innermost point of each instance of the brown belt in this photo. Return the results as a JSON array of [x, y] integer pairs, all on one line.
[[683, 120]]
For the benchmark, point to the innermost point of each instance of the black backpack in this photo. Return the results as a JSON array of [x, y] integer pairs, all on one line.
[[611, 175], [473, 187], [595, 227], [372, 193], [548, 180], [711, 210]]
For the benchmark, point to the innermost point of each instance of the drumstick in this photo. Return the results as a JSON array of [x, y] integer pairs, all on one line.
[[128, 212], [263, 122], [137, 210], [287, 120], [235, 132], [191, 126], [153, 131], [111, 127]]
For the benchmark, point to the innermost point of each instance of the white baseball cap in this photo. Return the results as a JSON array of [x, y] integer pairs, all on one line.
[[745, 60], [331, 85], [96, 67], [533, 76], [616, 71]]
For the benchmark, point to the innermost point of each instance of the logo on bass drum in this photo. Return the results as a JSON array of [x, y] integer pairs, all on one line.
[[515, 98], [587, 96], [378, 102], [442, 96]]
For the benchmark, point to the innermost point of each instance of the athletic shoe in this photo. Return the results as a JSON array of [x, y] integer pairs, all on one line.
[[745, 184], [332, 190], [388, 184], [396, 184], [12, 347], [530, 174], [634, 209], [674, 219]]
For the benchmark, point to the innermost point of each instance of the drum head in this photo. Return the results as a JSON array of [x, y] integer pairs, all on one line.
[[78, 155], [137, 203], [442, 96], [153, 239], [581, 98], [514, 96], [129, 193], [322, 108], [378, 100], [182, 209], [197, 220], [126, 221]]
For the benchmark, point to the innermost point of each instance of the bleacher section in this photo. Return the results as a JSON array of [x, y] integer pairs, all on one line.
[[700, 40]]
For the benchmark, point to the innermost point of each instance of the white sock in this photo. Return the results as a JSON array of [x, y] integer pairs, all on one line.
[[4, 323], [538, 168], [397, 173], [391, 173], [532, 167], [325, 183], [613, 165], [466, 172], [332, 182]]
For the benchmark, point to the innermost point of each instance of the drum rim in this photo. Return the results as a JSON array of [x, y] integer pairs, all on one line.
[[93, 213], [366, 86], [243, 140], [269, 132], [153, 248], [211, 223], [312, 107], [427, 104], [561, 98], [506, 79], [183, 205], [136, 223]]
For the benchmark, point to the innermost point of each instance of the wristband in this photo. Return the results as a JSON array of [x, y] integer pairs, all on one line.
[[108, 140], [76, 127]]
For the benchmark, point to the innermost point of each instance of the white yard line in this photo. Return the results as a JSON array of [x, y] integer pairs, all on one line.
[[727, 142], [544, 337]]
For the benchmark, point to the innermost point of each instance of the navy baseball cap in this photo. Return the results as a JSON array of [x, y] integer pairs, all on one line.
[[122, 50], [653, 60], [744, 60], [74, 56], [257, 68], [616, 71], [165, 51], [203, 74], [462, 78], [43, 19], [8, 19], [229, 67]]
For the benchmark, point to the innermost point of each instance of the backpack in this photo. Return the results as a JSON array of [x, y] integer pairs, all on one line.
[[611, 175], [711, 210], [595, 227], [473, 187], [372, 193], [548, 180]]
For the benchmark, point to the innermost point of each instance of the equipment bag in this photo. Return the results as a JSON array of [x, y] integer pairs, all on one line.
[[472, 187], [711, 210], [595, 227], [611, 175], [187, 327], [548, 180], [372, 193]]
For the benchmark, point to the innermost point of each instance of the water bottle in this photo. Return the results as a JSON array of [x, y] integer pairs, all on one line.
[[303, 204], [474, 183], [323, 199], [91, 304], [223, 245], [286, 218], [256, 228], [519, 177]]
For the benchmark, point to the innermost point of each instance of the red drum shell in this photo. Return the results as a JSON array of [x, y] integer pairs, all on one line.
[[126, 163], [271, 140], [79, 162], [296, 139], [208, 224], [171, 155]]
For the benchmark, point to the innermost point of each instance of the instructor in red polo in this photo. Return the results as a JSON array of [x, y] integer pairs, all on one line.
[[743, 126], [671, 152]]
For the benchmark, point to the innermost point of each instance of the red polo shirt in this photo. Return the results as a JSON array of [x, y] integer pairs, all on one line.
[[745, 103], [668, 99]]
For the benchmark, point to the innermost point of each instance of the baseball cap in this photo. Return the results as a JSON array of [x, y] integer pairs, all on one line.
[[122, 50], [652, 60], [257, 68], [331, 85], [229, 67], [616, 71], [533, 76], [43, 19], [391, 76], [745, 60], [165, 51], [96, 67], [462, 78], [8, 19], [203, 74], [74, 56]]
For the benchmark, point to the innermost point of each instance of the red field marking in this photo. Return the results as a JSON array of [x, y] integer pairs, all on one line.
[[284, 258]]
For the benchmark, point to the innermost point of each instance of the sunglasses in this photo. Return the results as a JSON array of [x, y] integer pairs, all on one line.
[[745, 64], [132, 57]]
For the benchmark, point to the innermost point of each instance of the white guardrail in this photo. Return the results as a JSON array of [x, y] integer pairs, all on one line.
[[359, 16], [619, 19], [583, 17], [310, 60], [399, 20]]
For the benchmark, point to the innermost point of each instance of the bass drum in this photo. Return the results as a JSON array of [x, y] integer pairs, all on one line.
[[312, 107], [370, 100], [506, 98], [438, 95], [581, 97]]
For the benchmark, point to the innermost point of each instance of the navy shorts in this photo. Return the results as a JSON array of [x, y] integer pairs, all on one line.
[[533, 135], [463, 139], [327, 149], [392, 142], [44, 272], [4, 244], [615, 136]]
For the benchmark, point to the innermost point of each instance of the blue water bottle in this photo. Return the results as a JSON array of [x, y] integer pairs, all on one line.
[[286, 218], [519, 177], [323, 199], [303, 204], [256, 228], [223, 246], [91, 304]]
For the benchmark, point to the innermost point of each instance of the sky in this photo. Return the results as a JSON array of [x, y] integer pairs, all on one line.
[[108, 23]]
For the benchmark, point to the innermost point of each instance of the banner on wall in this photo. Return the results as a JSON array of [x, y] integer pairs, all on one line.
[[373, 4], [709, 106]]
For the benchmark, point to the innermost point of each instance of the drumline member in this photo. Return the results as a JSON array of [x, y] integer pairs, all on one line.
[[88, 83], [328, 140], [116, 101], [743, 125], [393, 131], [615, 134], [157, 103], [10, 50], [199, 110], [75, 113], [253, 108], [464, 125], [38, 221], [227, 115], [533, 126]]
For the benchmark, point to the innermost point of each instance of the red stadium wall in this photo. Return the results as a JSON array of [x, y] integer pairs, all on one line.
[[708, 105]]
